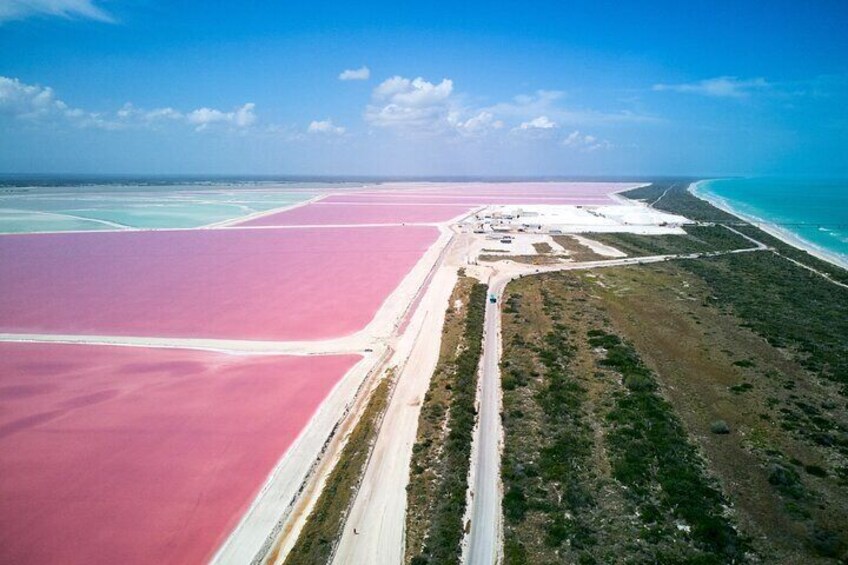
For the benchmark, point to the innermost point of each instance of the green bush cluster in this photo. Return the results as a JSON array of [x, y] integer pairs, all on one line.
[[787, 305], [678, 200], [835, 272], [446, 528], [653, 458], [698, 239], [552, 485]]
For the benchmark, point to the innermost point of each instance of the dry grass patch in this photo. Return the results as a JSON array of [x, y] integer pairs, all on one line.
[[543, 247], [526, 259], [576, 250], [320, 535]]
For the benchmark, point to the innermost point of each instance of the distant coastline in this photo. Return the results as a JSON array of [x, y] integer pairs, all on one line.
[[700, 190]]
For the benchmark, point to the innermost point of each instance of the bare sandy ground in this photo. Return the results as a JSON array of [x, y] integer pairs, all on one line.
[[379, 511]]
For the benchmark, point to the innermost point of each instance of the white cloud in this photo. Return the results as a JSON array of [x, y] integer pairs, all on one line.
[[577, 140], [39, 104], [529, 105], [129, 113], [526, 107], [480, 124], [416, 93], [411, 105], [362, 73], [541, 122], [163, 114], [26, 100], [719, 87], [240, 117], [326, 127], [22, 9], [419, 107], [34, 103]]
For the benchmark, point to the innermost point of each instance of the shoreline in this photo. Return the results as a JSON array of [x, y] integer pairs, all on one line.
[[786, 236]]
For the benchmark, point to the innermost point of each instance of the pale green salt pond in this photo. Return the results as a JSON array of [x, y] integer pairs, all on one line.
[[15, 221], [98, 207]]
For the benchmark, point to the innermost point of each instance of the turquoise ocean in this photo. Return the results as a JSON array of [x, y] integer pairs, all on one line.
[[809, 213]]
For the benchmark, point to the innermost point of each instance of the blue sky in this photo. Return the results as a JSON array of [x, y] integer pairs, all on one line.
[[435, 88]]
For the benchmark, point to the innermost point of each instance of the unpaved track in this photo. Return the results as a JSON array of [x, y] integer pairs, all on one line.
[[484, 539], [378, 514]]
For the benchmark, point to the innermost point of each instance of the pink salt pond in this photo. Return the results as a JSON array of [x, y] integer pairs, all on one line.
[[320, 213], [585, 193], [465, 200], [135, 456], [269, 284]]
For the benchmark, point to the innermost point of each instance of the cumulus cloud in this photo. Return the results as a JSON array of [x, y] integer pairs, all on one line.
[[415, 104], [480, 124], [36, 104], [719, 87], [241, 117], [362, 73], [541, 122], [415, 93], [22, 9], [325, 127], [26, 100], [130, 114], [584, 142], [420, 107]]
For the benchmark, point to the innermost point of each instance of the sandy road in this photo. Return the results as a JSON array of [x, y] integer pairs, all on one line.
[[484, 541], [374, 529]]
